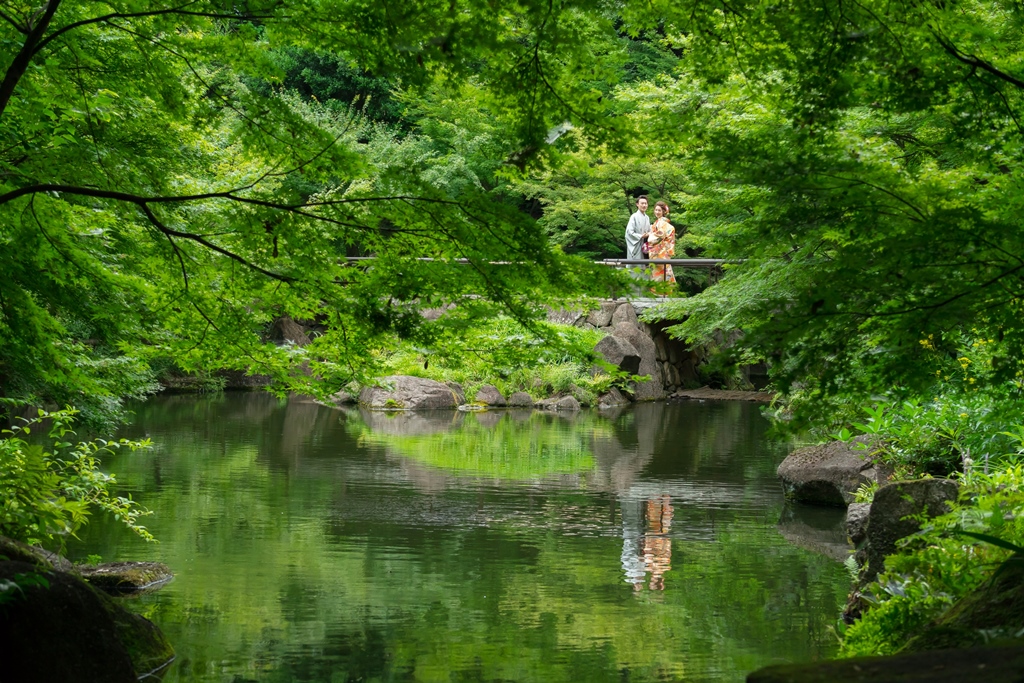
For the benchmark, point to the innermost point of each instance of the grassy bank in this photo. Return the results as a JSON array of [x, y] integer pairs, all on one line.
[[553, 360]]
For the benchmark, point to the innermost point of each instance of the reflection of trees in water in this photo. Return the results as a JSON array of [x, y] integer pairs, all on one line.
[[351, 561], [496, 445], [681, 440], [285, 433], [646, 546]]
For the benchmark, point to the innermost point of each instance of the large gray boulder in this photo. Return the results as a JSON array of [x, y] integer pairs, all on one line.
[[652, 389], [624, 313], [402, 392], [460, 394], [829, 474], [520, 399], [568, 404], [889, 519], [620, 353], [602, 316], [489, 395]]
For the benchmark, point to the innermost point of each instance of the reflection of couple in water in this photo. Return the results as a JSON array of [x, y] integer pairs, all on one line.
[[646, 546]]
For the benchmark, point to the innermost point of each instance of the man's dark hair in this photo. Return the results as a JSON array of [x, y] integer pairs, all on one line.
[[643, 196]]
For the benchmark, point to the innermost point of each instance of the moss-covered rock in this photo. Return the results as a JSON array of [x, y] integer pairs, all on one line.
[[63, 629], [147, 646], [17, 551], [118, 578], [831, 473]]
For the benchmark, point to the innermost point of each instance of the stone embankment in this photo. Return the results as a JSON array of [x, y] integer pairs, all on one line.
[[629, 346], [641, 349]]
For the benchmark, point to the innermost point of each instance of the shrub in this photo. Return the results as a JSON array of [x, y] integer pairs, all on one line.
[[48, 491], [952, 556]]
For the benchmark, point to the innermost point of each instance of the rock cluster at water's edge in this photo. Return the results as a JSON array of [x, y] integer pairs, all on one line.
[[874, 528], [404, 392], [407, 393]]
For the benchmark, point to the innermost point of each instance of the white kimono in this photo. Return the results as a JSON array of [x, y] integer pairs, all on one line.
[[638, 226]]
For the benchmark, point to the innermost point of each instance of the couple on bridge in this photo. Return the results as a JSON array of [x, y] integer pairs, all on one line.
[[657, 241]]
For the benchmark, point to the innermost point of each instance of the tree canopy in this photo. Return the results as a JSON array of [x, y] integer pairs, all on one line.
[[864, 160], [171, 183], [175, 177]]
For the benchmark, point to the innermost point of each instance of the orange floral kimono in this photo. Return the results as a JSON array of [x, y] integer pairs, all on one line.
[[661, 242]]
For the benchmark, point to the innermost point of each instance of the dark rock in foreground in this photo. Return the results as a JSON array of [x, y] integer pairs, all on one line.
[[126, 577], [829, 474], [993, 612], [988, 664], [62, 629], [16, 551], [403, 392]]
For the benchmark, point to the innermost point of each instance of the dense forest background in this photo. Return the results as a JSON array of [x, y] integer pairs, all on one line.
[[177, 178]]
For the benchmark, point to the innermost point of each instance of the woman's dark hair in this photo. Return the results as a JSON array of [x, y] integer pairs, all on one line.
[[663, 205]]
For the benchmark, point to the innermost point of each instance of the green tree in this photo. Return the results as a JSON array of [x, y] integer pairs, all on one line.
[[163, 193], [865, 161]]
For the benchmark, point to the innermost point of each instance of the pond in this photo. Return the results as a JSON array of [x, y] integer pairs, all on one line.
[[317, 544]]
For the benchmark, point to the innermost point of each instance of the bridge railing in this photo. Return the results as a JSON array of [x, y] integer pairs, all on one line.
[[712, 265]]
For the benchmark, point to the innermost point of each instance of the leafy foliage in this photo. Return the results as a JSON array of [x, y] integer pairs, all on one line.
[[507, 355], [864, 161], [954, 555], [173, 179], [48, 492]]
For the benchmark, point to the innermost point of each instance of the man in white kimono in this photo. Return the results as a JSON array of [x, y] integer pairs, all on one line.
[[637, 228]]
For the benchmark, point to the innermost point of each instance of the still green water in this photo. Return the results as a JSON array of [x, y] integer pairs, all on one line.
[[315, 544]]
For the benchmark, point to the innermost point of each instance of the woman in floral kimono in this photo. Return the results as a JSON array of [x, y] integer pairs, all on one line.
[[661, 242]]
